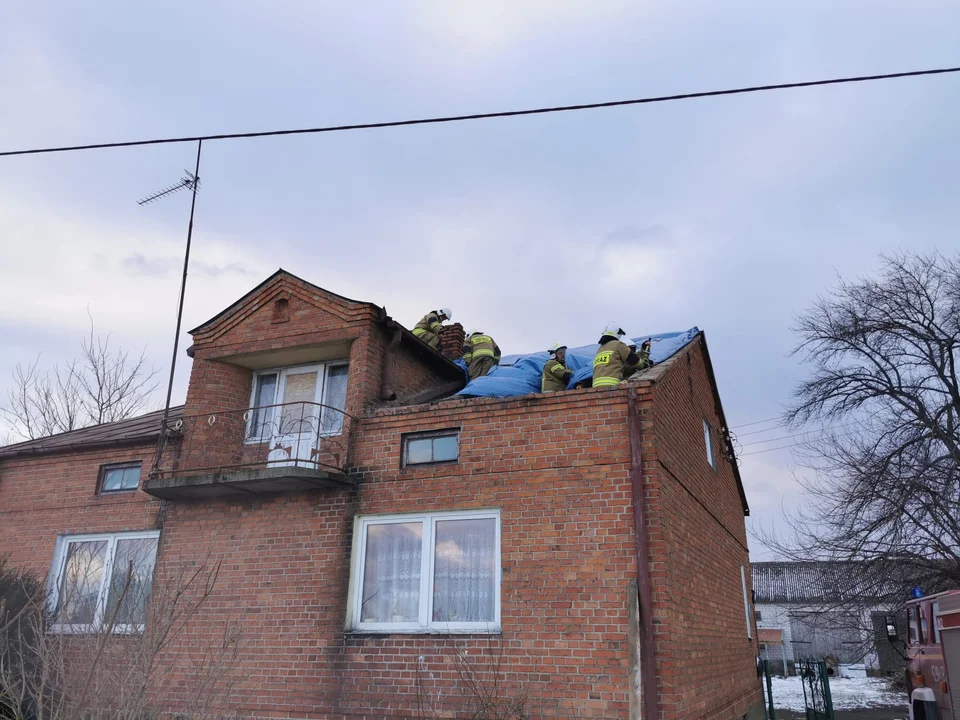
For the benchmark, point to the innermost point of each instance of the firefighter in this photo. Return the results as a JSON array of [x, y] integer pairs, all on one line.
[[556, 374], [612, 357], [428, 329], [643, 359], [481, 353]]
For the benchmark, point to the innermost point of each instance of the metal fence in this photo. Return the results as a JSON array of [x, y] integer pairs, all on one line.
[[298, 434]]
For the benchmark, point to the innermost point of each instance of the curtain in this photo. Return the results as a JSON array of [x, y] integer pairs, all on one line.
[[335, 396], [464, 581], [391, 574]]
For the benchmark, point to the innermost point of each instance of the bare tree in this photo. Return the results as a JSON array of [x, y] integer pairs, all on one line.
[[885, 489], [131, 653], [102, 385]]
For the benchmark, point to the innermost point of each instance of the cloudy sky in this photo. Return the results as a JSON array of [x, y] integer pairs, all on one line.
[[730, 214]]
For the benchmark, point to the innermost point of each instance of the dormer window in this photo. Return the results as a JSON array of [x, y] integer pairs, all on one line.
[[290, 404]]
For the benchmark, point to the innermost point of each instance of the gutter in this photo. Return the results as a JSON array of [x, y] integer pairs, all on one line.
[[648, 659]]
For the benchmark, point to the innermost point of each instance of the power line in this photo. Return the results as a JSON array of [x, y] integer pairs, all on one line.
[[484, 116], [814, 431], [797, 444], [758, 422], [778, 426]]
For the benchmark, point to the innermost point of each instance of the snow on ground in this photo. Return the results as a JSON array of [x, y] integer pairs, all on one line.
[[847, 693]]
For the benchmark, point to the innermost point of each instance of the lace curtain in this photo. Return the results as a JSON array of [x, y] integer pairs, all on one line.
[[463, 577], [391, 574], [464, 580]]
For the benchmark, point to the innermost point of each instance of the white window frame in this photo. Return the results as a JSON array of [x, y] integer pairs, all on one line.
[[58, 567], [322, 370], [708, 441], [425, 624], [746, 600]]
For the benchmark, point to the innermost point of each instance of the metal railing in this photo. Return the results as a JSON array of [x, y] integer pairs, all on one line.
[[297, 434]]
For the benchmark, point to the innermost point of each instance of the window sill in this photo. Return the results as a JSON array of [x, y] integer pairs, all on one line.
[[108, 493], [369, 632], [423, 466], [90, 630]]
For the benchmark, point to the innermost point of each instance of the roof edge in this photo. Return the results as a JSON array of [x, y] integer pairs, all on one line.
[[41, 446], [234, 306], [654, 377]]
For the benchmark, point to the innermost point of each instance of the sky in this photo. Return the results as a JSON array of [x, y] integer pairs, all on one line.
[[730, 214]]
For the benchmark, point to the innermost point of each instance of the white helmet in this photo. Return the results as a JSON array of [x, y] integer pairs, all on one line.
[[473, 332], [447, 313], [557, 347], [613, 329]]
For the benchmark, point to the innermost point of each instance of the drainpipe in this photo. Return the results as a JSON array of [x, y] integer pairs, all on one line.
[[648, 660], [386, 387]]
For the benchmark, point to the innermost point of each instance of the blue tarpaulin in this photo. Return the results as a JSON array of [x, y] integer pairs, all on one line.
[[520, 374]]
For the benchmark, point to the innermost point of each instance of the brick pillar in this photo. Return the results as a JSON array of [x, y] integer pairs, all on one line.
[[451, 341]]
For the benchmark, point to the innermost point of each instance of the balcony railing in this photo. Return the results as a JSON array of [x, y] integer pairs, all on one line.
[[267, 448]]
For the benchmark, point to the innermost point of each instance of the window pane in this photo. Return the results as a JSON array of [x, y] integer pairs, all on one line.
[[335, 396], [132, 579], [131, 478], [445, 448], [299, 418], [391, 573], [262, 417], [419, 451], [708, 441], [81, 581], [936, 624], [464, 580], [120, 478]]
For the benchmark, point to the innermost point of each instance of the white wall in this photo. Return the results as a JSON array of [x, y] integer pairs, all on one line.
[[778, 617]]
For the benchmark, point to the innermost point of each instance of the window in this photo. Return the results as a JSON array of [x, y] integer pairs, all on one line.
[[913, 627], [425, 449], [120, 477], [708, 442], [305, 400], [924, 632], [757, 615], [936, 621], [746, 598], [103, 581], [427, 573]]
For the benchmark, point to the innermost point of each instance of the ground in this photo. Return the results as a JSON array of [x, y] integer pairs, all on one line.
[[853, 699]]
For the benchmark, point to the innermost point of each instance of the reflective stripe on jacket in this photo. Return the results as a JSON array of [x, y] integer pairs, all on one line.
[[555, 376], [608, 363], [478, 346], [429, 323]]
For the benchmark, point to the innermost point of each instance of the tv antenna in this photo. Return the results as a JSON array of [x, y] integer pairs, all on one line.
[[189, 181]]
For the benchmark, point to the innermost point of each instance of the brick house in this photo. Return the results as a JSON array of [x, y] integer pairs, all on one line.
[[374, 526]]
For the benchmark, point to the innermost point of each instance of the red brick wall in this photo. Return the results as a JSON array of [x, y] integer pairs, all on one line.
[[698, 534], [314, 318], [557, 467], [411, 375], [451, 341], [48, 495]]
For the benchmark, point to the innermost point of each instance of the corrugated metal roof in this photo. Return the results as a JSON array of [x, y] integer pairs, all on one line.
[[143, 428], [813, 582]]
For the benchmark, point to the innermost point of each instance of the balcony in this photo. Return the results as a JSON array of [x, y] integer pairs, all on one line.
[[263, 450]]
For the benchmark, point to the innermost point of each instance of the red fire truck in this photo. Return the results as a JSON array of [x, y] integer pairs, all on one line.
[[933, 656]]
